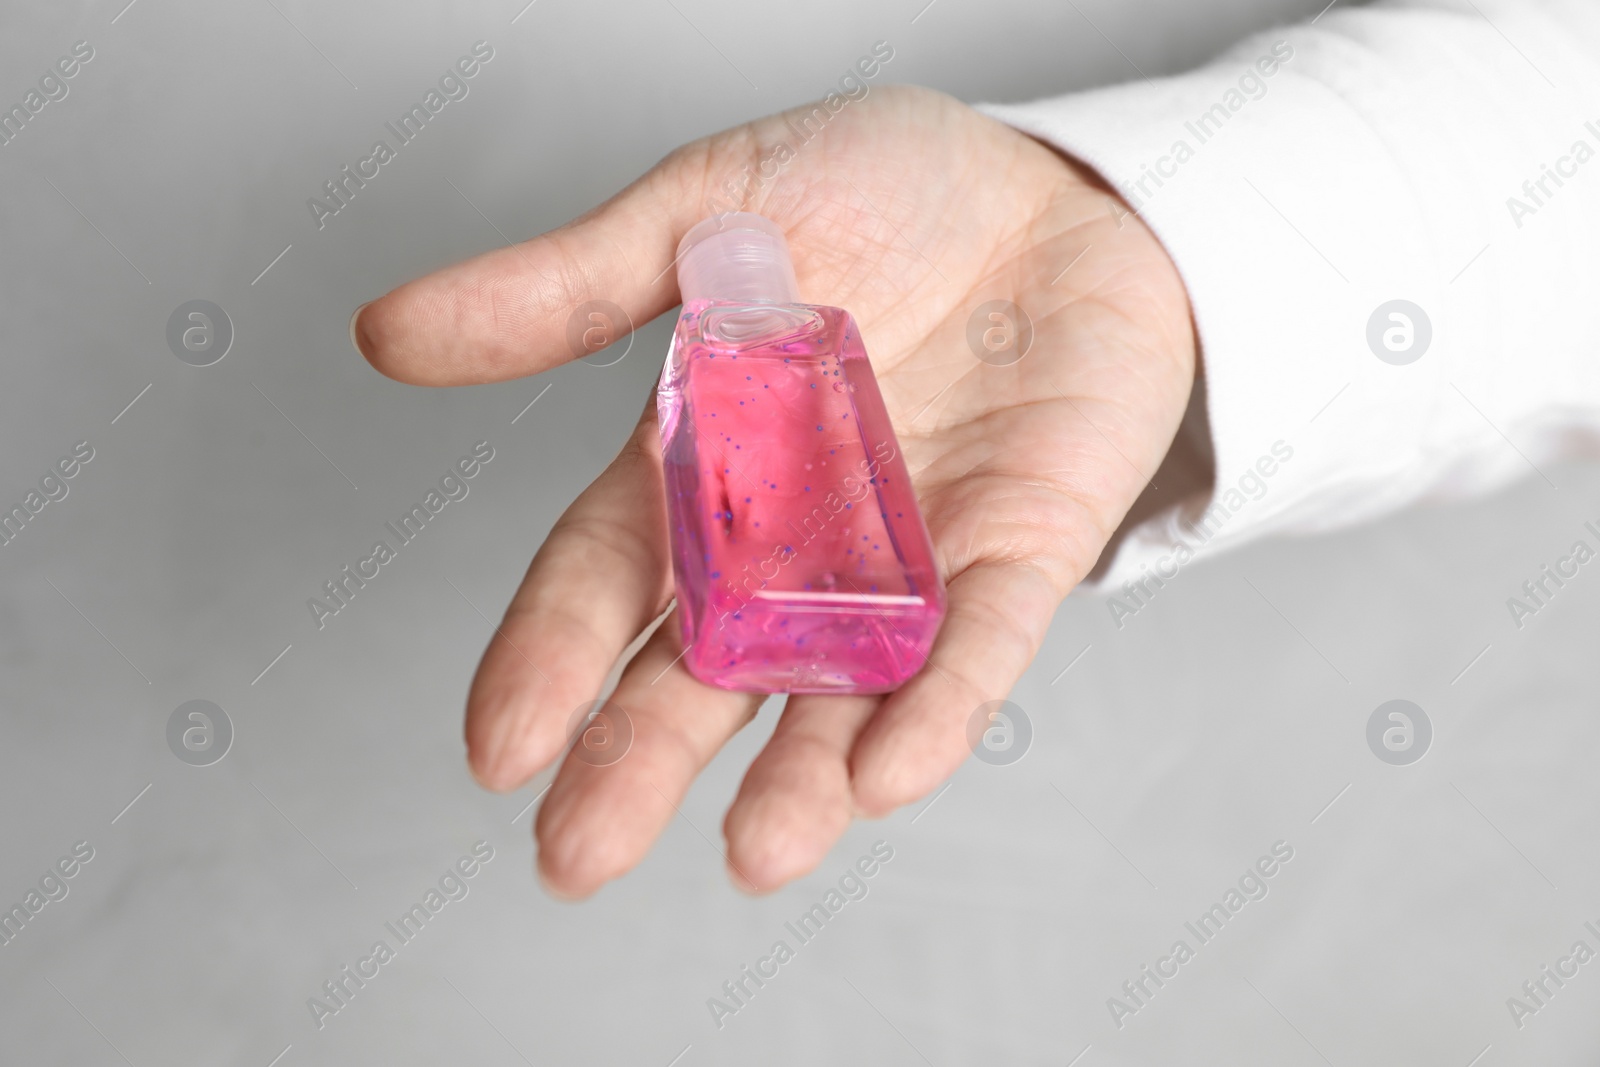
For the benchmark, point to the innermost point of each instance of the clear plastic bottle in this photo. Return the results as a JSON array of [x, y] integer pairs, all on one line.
[[802, 561]]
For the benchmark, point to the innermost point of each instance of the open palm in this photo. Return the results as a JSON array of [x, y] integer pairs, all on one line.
[[913, 212]]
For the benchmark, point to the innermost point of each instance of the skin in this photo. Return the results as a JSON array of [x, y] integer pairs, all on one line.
[[910, 210]]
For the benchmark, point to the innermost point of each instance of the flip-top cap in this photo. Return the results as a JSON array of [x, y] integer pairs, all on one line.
[[738, 257]]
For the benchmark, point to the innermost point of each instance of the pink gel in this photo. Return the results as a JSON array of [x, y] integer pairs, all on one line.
[[802, 562]]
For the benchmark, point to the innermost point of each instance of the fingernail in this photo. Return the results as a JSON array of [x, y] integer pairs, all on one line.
[[482, 776], [550, 890], [742, 883], [355, 341], [492, 756]]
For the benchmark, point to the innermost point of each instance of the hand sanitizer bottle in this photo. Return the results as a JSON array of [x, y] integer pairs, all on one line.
[[801, 559]]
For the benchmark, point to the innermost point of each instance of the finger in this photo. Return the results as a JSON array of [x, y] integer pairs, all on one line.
[[598, 580], [997, 616], [600, 818], [504, 314], [795, 800]]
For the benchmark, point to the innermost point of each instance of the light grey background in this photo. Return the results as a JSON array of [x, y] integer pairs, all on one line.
[[1170, 756]]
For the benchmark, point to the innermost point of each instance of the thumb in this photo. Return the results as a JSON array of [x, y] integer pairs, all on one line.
[[506, 313]]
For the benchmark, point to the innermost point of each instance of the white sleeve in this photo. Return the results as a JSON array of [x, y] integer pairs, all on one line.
[[1443, 153]]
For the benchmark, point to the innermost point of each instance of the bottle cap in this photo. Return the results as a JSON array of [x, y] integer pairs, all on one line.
[[737, 257]]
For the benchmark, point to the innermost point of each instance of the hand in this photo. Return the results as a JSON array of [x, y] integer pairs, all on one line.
[[910, 210]]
